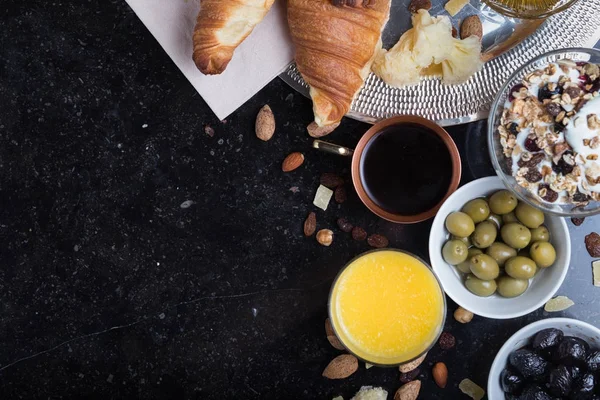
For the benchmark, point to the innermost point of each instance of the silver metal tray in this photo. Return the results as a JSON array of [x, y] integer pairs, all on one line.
[[507, 44]]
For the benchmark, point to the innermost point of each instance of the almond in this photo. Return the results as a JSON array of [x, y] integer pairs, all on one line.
[[410, 391], [317, 131], [265, 123], [341, 367], [440, 374], [310, 225], [404, 368], [292, 162], [471, 26], [333, 340]]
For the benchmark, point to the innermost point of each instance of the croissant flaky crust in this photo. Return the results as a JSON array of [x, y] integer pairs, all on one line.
[[220, 27], [335, 47]]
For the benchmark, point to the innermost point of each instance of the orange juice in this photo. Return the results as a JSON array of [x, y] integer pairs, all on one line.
[[387, 307]]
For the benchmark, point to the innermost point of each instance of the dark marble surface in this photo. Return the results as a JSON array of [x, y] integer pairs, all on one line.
[[111, 288]]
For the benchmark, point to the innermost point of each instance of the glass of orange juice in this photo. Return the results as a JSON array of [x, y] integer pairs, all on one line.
[[387, 307]]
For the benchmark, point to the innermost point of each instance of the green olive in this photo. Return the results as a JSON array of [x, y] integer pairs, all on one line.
[[543, 253], [465, 266], [510, 217], [465, 240], [540, 234], [503, 202], [484, 235], [455, 252], [500, 252], [460, 224], [480, 287], [484, 267], [477, 209], [529, 216], [496, 219], [511, 287], [515, 235], [520, 267]]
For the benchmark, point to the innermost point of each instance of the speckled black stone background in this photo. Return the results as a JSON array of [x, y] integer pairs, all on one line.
[[110, 289]]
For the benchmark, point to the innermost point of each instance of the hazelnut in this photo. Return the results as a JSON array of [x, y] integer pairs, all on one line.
[[325, 237], [463, 316]]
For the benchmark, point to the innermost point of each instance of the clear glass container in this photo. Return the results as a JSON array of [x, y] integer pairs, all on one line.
[[529, 9], [495, 147]]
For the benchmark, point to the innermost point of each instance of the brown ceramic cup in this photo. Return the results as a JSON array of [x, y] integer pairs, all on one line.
[[358, 153]]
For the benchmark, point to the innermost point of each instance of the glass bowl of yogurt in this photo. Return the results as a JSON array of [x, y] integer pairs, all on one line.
[[544, 132]]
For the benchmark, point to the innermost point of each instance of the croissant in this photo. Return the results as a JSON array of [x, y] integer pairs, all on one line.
[[336, 43], [220, 27]]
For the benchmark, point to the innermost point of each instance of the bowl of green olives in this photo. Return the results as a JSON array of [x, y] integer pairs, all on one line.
[[496, 256]]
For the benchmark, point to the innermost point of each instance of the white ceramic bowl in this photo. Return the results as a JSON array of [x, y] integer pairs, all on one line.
[[541, 288], [571, 327]]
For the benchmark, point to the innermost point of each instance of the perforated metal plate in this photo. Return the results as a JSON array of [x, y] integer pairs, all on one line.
[[508, 43]]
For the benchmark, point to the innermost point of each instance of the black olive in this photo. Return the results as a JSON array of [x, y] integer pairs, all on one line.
[[528, 364], [583, 388], [510, 381], [547, 338], [575, 372], [560, 381], [571, 351], [534, 392], [593, 361]]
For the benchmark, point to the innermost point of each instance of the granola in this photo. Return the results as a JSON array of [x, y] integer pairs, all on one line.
[[550, 132]]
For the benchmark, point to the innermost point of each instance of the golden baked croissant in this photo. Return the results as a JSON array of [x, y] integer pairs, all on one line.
[[220, 27], [336, 42]]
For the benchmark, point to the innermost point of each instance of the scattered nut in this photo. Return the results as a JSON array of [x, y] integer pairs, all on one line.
[[410, 391], [454, 33], [592, 244], [359, 233], [265, 123], [292, 161], [447, 341], [378, 241], [340, 195], [310, 225], [317, 131], [440, 374], [331, 337], [344, 225], [325, 237], [416, 5], [577, 221], [341, 367], [410, 375], [471, 26], [404, 368], [463, 316], [331, 180]]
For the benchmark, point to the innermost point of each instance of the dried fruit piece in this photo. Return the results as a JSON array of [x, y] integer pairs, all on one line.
[[547, 194], [447, 341], [533, 162], [533, 175], [471, 26], [331, 337], [440, 374], [368, 366], [317, 131], [596, 272], [341, 367], [310, 225], [325, 237], [322, 197], [404, 368], [344, 225], [577, 221], [331, 180], [471, 389], [592, 244], [410, 391], [410, 375], [292, 161], [265, 123], [359, 233], [463, 316], [416, 5], [340, 195], [209, 130], [559, 303], [378, 241], [454, 6]]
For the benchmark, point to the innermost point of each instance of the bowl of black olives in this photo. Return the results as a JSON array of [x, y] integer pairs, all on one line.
[[552, 359], [496, 256]]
